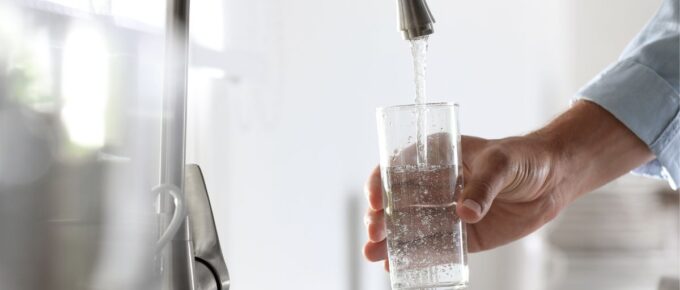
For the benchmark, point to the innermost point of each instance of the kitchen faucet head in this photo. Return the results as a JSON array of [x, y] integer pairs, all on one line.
[[415, 19]]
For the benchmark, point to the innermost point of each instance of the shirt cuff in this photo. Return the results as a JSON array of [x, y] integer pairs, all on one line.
[[647, 104]]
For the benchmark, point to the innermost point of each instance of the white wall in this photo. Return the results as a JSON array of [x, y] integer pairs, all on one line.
[[287, 135]]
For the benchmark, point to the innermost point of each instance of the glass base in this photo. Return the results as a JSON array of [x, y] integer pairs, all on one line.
[[459, 286]]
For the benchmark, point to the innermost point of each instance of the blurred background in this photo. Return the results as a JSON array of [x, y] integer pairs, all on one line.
[[281, 118]]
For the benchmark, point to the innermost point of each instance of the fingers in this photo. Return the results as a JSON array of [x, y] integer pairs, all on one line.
[[376, 247], [375, 224], [375, 252], [483, 185], [373, 189]]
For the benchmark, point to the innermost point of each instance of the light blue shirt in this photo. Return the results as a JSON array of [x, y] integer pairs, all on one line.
[[642, 91]]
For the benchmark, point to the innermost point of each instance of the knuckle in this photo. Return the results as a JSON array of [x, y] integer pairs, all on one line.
[[367, 251], [367, 219], [373, 217], [482, 191], [552, 206], [373, 178], [484, 188], [499, 159]]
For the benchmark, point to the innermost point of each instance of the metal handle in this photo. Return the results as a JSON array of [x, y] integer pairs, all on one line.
[[210, 269], [177, 217]]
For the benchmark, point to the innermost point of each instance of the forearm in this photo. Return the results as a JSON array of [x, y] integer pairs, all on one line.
[[591, 148]]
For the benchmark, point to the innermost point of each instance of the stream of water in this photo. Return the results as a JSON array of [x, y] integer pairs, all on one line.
[[419, 53]]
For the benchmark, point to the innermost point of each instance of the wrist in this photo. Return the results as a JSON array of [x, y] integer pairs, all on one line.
[[563, 155], [559, 156], [590, 147]]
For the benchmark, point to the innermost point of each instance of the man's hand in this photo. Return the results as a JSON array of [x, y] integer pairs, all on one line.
[[515, 185], [508, 193]]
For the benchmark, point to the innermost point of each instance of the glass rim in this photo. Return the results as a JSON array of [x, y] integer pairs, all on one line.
[[412, 106]]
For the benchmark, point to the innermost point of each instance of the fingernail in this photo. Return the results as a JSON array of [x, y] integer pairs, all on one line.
[[473, 205]]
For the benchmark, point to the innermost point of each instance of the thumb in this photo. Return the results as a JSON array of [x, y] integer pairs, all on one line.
[[487, 179]]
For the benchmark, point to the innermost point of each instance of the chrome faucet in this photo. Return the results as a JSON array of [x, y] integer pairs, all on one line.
[[415, 19]]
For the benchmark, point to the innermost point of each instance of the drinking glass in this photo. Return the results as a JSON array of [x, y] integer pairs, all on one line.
[[421, 169]]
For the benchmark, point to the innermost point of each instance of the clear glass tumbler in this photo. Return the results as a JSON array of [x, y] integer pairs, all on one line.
[[421, 169]]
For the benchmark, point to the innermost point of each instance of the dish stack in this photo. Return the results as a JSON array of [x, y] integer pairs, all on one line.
[[623, 236]]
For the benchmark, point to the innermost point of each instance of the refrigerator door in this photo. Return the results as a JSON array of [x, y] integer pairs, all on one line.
[[85, 109]]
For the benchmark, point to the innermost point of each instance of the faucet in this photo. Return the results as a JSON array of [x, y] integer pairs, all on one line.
[[415, 19]]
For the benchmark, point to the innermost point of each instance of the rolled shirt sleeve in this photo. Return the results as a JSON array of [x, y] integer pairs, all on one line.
[[642, 91]]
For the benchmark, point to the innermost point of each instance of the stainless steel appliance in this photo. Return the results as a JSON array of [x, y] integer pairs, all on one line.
[[90, 94]]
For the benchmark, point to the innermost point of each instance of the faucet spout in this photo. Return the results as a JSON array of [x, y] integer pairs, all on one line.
[[415, 19]]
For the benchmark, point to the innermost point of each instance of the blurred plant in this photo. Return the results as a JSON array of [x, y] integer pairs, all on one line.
[[25, 62], [29, 76]]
